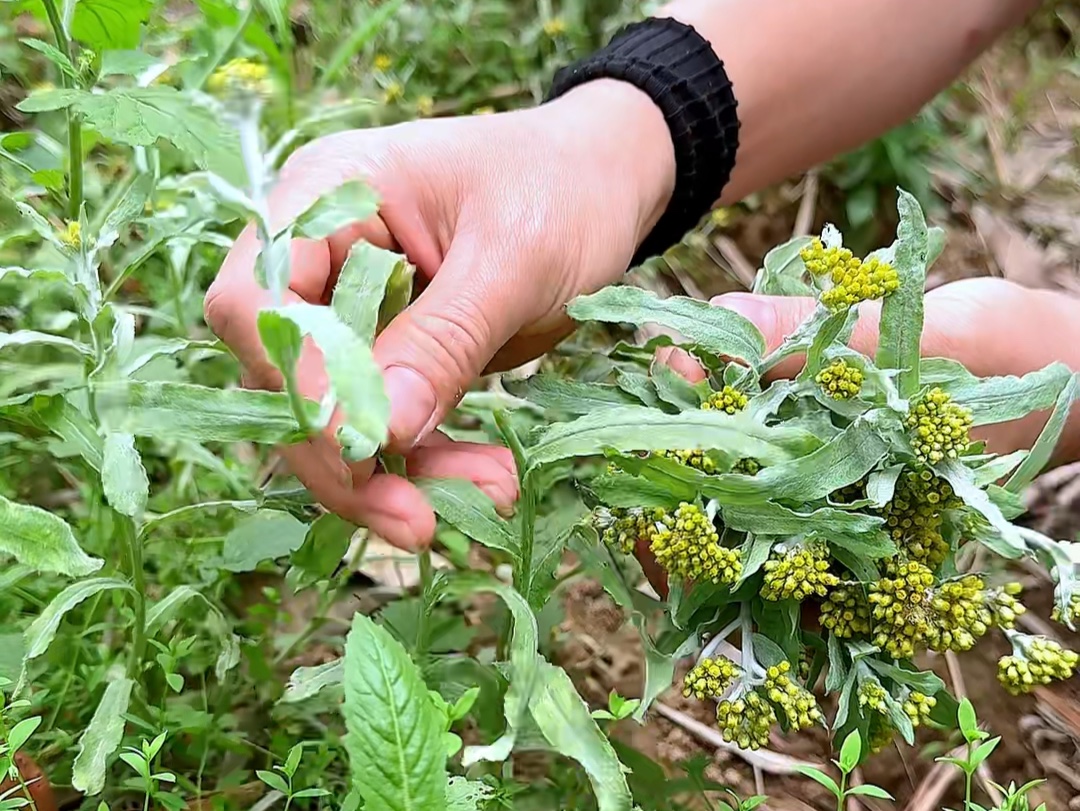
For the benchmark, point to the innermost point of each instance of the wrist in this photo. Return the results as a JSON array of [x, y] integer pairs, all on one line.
[[618, 125]]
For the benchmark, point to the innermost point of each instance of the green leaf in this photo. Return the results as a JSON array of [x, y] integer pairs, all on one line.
[[755, 553], [361, 287], [867, 790], [29, 337], [676, 390], [465, 506], [43, 629], [1001, 399], [123, 477], [983, 751], [902, 312], [715, 329], [398, 294], [850, 752], [325, 544], [101, 738], [352, 202], [644, 429], [104, 24], [266, 535], [467, 795], [962, 481], [184, 411], [554, 393], [394, 739], [127, 209], [140, 116], [355, 379], [819, 776], [969, 724], [625, 490], [20, 733], [12, 652], [72, 426], [640, 387], [857, 532], [126, 63], [307, 682], [42, 541], [1044, 446], [54, 55], [274, 780], [924, 681], [783, 270], [163, 610], [564, 720]]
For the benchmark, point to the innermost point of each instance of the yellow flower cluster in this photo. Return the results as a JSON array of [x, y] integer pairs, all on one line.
[[939, 427], [747, 467], [872, 695], [1039, 662], [383, 62], [962, 614], [900, 608], [839, 380], [798, 704], [393, 92], [71, 236], [746, 720], [728, 399], [1003, 605], [555, 27], [694, 458], [820, 260], [240, 76], [1073, 611], [425, 106], [846, 613], [853, 280], [918, 707], [709, 678], [622, 528], [914, 516], [687, 545], [798, 573]]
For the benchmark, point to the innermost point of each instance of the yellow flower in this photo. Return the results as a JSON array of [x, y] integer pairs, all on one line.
[[555, 27], [729, 400], [72, 235], [425, 106], [687, 545], [915, 515], [1036, 661], [720, 216], [383, 62], [485, 110], [694, 458], [746, 720], [240, 76], [846, 613], [622, 528], [797, 573], [709, 678], [393, 92], [939, 427], [799, 705], [839, 380]]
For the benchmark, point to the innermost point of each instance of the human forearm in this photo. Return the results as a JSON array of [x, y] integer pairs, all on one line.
[[815, 78]]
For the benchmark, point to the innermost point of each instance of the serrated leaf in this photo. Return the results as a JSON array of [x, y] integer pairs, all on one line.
[[554, 393], [355, 379], [42, 541], [394, 739], [54, 55], [307, 682], [123, 477], [43, 629], [266, 535], [186, 411], [104, 24], [857, 532], [465, 506], [361, 287], [715, 329], [101, 738], [352, 202], [902, 312], [140, 116], [644, 429], [1044, 446]]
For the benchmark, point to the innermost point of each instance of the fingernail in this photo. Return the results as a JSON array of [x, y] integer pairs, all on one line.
[[750, 307], [412, 404]]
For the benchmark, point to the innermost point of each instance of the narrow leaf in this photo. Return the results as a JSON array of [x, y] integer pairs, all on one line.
[[42, 541], [465, 506], [394, 739], [549, 391], [1044, 446], [1000, 399], [715, 329], [101, 738], [962, 481], [858, 532], [29, 337], [43, 629], [902, 312], [819, 776], [306, 682], [867, 790]]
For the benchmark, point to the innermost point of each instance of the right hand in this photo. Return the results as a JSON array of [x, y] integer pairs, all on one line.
[[507, 218]]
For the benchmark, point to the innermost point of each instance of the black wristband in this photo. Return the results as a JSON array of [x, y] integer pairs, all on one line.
[[677, 68]]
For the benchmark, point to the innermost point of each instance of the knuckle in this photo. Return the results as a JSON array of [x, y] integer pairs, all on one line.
[[216, 308]]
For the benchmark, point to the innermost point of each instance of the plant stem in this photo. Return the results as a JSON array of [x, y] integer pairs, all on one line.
[[138, 576], [967, 780], [423, 623], [75, 169], [843, 790], [25, 789]]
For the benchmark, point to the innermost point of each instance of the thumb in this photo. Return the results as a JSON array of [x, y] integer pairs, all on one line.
[[779, 316], [437, 346]]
